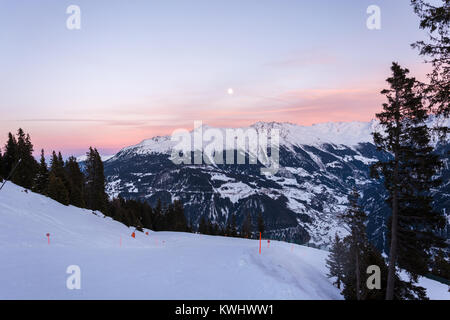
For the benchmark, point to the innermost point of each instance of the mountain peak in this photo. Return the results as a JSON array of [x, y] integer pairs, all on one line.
[[337, 133]]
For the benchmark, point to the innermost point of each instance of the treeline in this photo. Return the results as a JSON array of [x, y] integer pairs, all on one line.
[[248, 229], [64, 182], [409, 176], [141, 215]]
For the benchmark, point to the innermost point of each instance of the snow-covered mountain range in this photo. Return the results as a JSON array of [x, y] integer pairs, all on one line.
[[319, 166]]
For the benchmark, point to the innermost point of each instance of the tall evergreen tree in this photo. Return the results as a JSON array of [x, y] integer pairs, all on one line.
[[210, 227], [227, 231], [56, 189], [247, 227], [57, 166], [441, 264], [336, 261], [233, 231], [96, 197], [435, 19], [57, 171], [355, 218], [147, 216], [260, 223], [2, 167], [408, 176], [25, 172], [158, 217], [117, 211], [180, 218], [203, 227], [76, 182], [169, 218], [11, 157], [41, 180]]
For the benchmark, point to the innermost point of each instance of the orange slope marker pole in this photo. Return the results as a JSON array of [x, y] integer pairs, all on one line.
[[260, 243], [48, 238]]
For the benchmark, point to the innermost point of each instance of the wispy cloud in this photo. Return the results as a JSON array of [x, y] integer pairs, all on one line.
[[305, 58]]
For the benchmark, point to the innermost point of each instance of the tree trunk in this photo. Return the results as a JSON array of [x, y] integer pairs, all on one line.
[[358, 281], [393, 249], [392, 252]]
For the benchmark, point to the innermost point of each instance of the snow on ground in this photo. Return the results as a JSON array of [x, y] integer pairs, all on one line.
[[161, 265], [103, 157], [435, 290]]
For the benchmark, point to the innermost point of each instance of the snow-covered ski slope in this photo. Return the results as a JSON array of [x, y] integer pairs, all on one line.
[[160, 265]]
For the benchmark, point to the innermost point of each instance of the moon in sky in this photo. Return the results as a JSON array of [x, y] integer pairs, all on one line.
[[230, 91]]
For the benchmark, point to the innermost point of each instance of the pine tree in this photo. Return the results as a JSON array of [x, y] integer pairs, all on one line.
[[347, 260], [11, 157], [436, 20], [355, 218], [57, 166], [56, 190], [260, 223], [209, 227], [25, 172], [96, 197], [217, 229], [169, 218], [58, 172], [408, 176], [247, 227], [180, 218], [227, 231], [2, 167], [202, 227], [336, 261], [233, 231], [441, 264], [41, 181], [118, 212], [75, 181], [147, 216]]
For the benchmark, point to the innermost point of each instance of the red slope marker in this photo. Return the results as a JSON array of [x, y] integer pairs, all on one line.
[[260, 243]]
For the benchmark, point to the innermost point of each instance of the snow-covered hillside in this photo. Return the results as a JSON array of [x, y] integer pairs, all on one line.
[[160, 265]]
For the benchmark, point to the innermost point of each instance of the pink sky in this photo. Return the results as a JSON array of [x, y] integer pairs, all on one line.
[[303, 107], [111, 129], [146, 69]]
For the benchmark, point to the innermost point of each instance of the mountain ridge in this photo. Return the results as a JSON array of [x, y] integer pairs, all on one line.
[[300, 203]]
